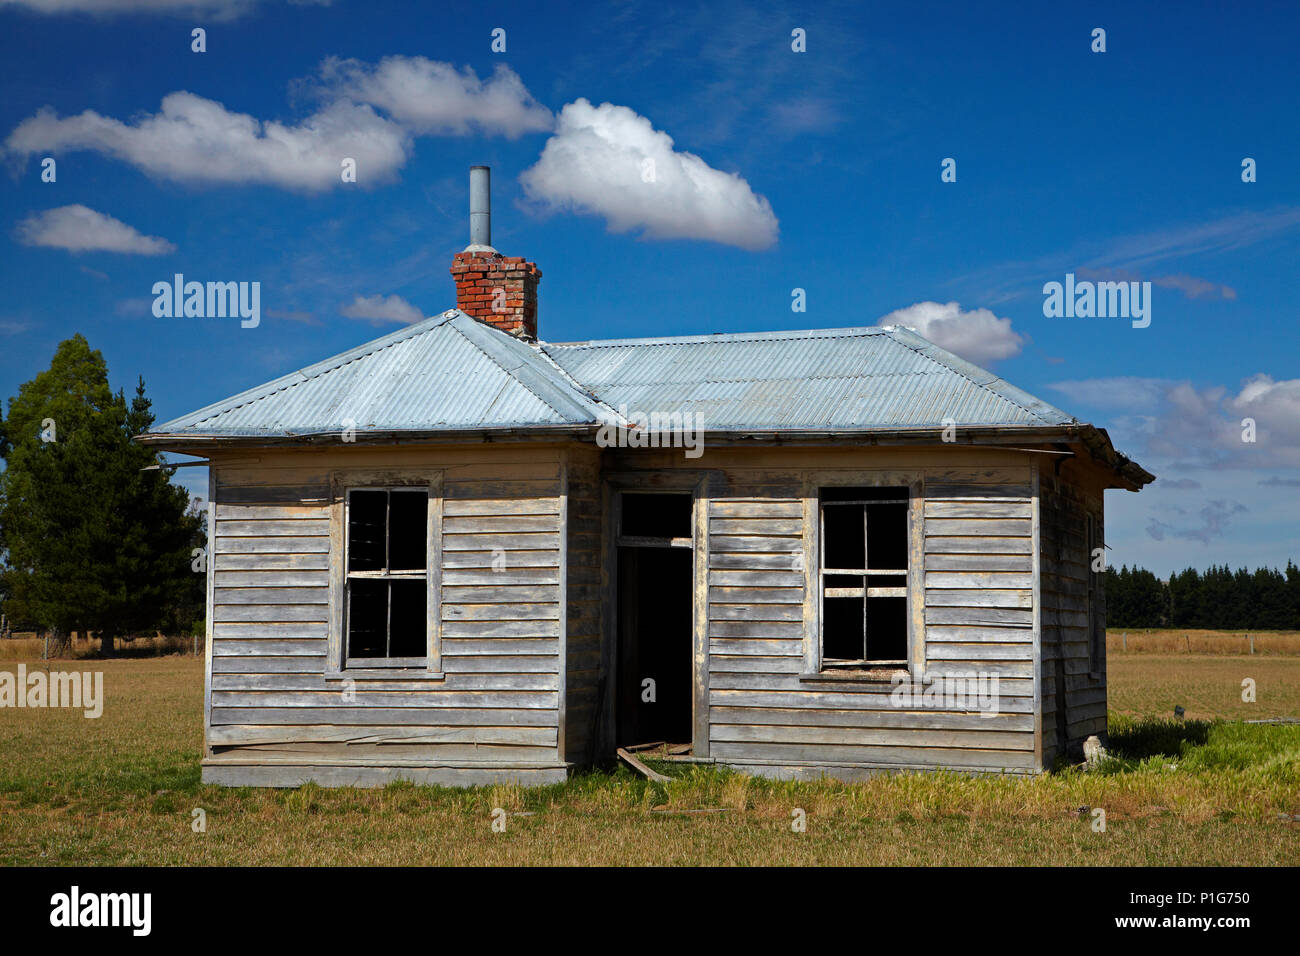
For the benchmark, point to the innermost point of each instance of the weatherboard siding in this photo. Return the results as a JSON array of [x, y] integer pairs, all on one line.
[[498, 704], [1074, 696], [974, 611], [522, 646]]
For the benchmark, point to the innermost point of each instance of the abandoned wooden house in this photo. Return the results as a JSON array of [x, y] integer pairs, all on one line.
[[460, 554]]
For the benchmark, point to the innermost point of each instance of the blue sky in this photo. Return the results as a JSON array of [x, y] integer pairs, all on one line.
[[817, 170]]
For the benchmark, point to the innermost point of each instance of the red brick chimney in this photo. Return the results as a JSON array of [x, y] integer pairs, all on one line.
[[498, 290]]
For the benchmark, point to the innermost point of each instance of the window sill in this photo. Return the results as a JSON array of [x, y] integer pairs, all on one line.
[[384, 673], [878, 675]]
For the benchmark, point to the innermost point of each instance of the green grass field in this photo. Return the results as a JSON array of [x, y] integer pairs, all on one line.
[[1209, 790]]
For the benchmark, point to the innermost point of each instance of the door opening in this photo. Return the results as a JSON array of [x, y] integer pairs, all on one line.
[[655, 620]]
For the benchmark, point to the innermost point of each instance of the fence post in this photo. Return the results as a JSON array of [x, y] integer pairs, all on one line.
[[1252, 643], [1126, 640]]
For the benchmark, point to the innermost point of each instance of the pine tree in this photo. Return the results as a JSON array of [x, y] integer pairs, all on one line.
[[90, 540]]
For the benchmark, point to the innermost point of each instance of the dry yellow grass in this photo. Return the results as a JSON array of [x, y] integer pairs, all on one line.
[[122, 789], [1191, 642], [1143, 685], [29, 647]]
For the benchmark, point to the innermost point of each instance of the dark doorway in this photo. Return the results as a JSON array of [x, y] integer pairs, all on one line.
[[655, 605]]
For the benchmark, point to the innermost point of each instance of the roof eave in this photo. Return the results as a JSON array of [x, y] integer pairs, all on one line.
[[1133, 476], [182, 441], [1129, 473], [1097, 442]]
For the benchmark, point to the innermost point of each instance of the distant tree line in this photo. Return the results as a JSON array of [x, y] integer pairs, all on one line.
[[1216, 599]]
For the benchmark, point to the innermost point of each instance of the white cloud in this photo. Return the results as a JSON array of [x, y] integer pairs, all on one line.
[[81, 229], [1261, 391], [1201, 426], [976, 335], [377, 310], [1118, 393], [1136, 254], [433, 98], [219, 10], [1275, 407], [1220, 235], [197, 140], [1192, 287], [609, 161]]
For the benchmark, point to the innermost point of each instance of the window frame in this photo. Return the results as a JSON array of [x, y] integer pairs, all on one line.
[[338, 664], [815, 667], [825, 507]]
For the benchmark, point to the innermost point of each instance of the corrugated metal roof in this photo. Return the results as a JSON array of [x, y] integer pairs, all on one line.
[[877, 377], [446, 372], [451, 372]]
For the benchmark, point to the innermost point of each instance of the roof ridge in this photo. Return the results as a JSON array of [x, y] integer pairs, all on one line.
[[580, 413], [1010, 394], [591, 395], [775, 335], [509, 374], [957, 370]]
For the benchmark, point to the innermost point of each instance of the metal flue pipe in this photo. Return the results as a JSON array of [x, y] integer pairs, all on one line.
[[480, 209]]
